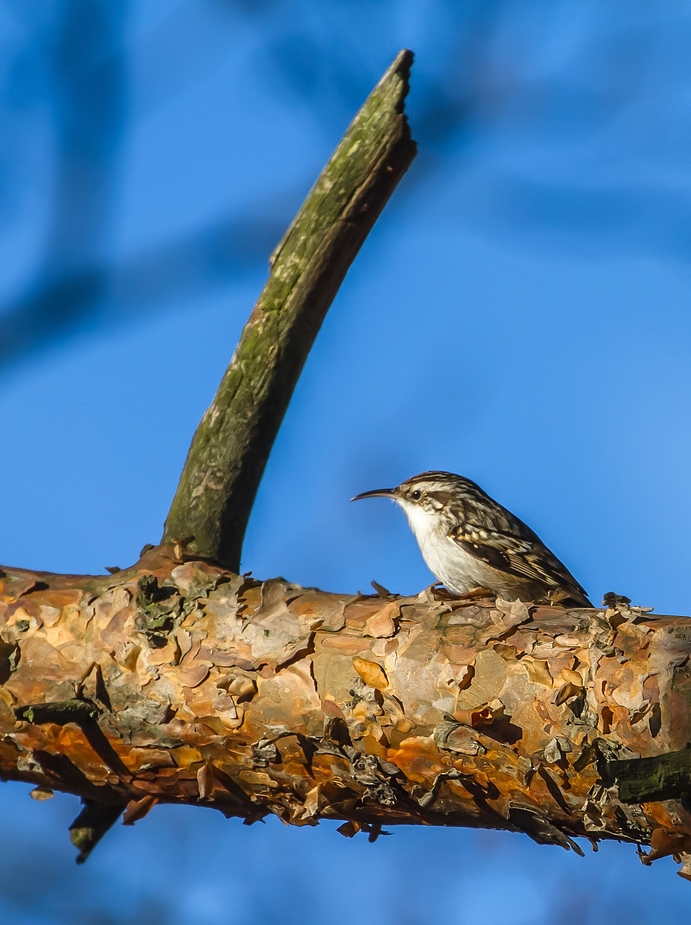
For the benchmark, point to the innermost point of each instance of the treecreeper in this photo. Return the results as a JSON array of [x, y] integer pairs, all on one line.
[[470, 541]]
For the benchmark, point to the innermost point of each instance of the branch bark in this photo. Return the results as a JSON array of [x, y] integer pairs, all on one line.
[[200, 686], [232, 444]]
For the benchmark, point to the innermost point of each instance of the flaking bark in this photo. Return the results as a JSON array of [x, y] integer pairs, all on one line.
[[233, 441], [203, 687]]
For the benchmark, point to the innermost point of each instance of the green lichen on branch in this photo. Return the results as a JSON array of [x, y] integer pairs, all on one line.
[[660, 777], [91, 825], [59, 712], [233, 441], [159, 609]]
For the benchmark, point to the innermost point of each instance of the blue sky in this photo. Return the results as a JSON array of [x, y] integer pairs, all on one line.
[[518, 315]]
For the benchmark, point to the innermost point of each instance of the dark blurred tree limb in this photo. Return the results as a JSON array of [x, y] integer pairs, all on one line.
[[177, 681], [233, 441], [191, 266]]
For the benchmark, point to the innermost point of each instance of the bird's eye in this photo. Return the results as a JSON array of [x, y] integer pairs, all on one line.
[[416, 495]]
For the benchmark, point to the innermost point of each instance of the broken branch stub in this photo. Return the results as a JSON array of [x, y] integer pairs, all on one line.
[[232, 444], [265, 697]]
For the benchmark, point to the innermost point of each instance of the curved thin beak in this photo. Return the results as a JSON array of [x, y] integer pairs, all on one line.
[[378, 493]]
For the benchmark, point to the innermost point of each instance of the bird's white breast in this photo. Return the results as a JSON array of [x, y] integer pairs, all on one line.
[[447, 561]]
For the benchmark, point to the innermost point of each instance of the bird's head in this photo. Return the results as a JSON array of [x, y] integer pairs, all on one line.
[[425, 498]]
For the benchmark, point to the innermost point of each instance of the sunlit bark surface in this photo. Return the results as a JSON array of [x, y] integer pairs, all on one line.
[[176, 681]]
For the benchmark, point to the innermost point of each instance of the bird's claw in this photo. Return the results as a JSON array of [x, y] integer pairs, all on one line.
[[476, 593]]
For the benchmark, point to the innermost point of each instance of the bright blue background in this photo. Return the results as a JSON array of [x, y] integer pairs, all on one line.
[[520, 314]]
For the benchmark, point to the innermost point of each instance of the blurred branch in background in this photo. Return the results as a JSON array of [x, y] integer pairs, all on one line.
[[84, 64], [105, 293], [537, 118], [73, 62]]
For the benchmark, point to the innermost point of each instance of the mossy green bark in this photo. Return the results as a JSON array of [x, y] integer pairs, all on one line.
[[233, 441], [659, 777], [60, 712], [91, 825]]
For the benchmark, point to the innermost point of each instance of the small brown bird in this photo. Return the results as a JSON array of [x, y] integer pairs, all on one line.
[[468, 540]]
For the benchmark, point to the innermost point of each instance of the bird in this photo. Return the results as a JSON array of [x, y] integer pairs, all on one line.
[[470, 541]]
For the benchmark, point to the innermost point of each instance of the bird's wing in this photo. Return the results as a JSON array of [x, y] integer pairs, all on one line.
[[524, 556]]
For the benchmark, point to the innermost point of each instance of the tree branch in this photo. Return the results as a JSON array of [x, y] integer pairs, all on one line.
[[233, 441], [203, 687]]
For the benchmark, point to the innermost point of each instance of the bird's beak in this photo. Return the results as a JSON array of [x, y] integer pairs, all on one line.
[[378, 493]]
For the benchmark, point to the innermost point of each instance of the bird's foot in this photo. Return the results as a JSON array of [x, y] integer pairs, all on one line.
[[476, 593], [557, 595]]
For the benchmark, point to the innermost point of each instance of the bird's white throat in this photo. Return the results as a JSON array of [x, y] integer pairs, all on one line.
[[431, 537], [458, 570], [422, 523]]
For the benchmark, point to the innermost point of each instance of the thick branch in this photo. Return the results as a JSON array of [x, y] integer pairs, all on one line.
[[203, 687], [233, 441]]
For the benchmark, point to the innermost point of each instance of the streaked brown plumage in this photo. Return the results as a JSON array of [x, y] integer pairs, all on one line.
[[469, 540]]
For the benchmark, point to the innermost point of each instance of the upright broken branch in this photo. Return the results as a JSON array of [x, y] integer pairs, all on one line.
[[233, 441]]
